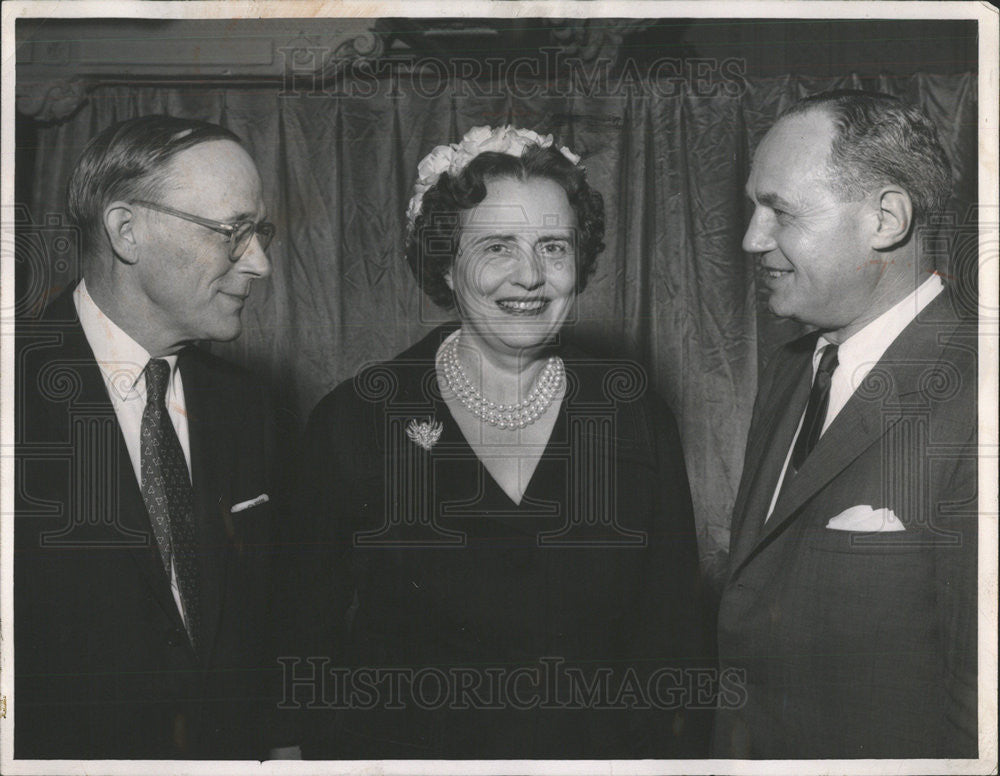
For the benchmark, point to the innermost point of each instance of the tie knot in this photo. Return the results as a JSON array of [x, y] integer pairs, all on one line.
[[157, 374], [827, 361]]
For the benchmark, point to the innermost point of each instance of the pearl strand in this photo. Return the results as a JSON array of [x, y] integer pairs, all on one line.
[[503, 416]]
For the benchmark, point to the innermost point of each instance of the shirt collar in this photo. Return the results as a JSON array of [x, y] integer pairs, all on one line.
[[867, 345], [120, 358]]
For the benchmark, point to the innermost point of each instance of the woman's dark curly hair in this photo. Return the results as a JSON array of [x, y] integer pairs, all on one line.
[[432, 243]]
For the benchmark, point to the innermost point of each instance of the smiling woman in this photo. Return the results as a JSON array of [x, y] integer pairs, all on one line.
[[514, 276], [498, 551]]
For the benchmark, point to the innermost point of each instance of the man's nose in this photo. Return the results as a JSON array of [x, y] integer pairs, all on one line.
[[759, 237], [254, 260]]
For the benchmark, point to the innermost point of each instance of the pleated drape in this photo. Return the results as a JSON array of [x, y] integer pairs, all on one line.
[[673, 290]]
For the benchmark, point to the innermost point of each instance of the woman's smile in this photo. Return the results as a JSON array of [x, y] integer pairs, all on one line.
[[533, 306]]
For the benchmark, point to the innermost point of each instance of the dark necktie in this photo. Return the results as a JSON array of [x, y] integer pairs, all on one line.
[[819, 400], [166, 490]]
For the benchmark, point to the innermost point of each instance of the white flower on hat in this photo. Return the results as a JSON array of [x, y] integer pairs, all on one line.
[[478, 134], [436, 162], [455, 157], [575, 158]]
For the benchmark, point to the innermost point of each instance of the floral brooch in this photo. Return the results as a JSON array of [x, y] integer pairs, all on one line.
[[424, 433]]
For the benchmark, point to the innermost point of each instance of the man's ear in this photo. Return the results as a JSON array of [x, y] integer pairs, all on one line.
[[894, 218], [119, 224], [448, 280]]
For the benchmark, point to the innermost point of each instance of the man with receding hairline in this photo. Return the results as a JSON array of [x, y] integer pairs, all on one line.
[[850, 605], [143, 512]]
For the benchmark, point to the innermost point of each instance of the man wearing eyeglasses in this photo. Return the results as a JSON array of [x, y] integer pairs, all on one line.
[[143, 515]]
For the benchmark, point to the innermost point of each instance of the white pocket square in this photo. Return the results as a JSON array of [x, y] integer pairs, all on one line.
[[263, 498], [866, 518]]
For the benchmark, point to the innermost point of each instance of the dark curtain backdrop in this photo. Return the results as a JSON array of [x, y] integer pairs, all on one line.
[[673, 289]]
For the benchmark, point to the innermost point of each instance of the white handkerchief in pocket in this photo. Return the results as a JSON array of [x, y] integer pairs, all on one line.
[[243, 506], [864, 517]]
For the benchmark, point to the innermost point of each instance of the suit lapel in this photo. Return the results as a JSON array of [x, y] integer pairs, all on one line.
[[861, 423], [132, 519], [767, 450], [209, 451], [871, 411]]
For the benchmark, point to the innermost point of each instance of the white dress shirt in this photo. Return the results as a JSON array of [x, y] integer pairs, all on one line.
[[122, 362], [858, 355]]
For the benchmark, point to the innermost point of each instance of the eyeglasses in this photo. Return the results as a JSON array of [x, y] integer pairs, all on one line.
[[238, 235]]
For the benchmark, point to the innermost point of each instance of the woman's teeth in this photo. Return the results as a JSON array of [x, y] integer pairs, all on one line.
[[533, 305]]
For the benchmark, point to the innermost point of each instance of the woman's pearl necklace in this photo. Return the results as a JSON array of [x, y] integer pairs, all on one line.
[[547, 385]]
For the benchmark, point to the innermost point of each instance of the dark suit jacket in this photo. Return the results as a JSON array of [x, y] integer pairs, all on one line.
[[859, 644], [103, 667]]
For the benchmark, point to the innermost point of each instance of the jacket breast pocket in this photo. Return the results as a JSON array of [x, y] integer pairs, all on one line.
[[863, 544], [877, 574], [248, 522]]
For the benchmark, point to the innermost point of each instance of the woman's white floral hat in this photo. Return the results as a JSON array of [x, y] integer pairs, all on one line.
[[454, 157]]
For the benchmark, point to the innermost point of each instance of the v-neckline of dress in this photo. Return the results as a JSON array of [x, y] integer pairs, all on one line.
[[454, 430]]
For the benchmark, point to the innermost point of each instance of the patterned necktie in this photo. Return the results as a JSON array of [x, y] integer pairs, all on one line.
[[166, 490], [819, 400]]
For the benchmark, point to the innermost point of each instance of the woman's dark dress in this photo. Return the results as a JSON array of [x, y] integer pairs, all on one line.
[[417, 560]]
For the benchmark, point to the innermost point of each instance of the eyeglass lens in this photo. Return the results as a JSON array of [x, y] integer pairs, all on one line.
[[244, 234]]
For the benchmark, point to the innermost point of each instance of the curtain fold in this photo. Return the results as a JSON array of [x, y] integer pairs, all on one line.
[[672, 290]]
